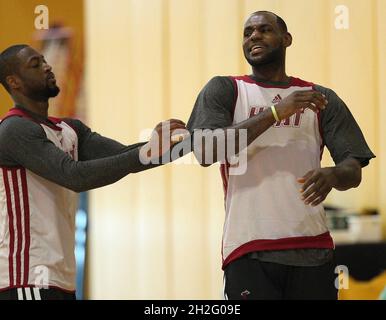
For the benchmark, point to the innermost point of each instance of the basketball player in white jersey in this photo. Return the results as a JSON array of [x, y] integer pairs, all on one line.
[[276, 244], [44, 161]]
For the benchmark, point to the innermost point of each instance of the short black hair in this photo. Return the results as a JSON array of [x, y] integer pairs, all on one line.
[[281, 23], [9, 63]]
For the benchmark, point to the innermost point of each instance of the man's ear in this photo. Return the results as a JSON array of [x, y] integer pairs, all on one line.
[[13, 82], [287, 40]]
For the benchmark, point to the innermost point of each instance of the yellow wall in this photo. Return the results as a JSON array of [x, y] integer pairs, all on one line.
[[158, 234], [17, 26]]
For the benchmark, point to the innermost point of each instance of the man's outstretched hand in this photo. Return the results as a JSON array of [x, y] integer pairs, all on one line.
[[164, 136]]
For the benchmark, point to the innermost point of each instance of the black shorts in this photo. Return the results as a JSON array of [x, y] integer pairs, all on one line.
[[30, 293], [252, 279]]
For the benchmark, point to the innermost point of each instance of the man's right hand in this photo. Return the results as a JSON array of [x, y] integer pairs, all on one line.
[[297, 100]]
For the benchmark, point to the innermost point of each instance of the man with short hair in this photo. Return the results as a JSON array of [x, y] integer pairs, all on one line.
[[44, 161], [276, 244]]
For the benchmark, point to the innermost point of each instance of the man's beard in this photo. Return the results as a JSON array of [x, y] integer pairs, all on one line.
[[52, 92], [45, 93], [272, 57]]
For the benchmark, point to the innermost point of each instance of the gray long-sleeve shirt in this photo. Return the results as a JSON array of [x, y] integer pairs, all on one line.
[[102, 161]]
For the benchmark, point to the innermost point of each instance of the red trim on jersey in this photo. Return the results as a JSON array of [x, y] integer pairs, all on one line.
[[236, 92], [295, 82], [321, 134], [322, 241], [18, 226], [27, 235], [224, 170], [11, 226], [320, 130], [224, 182], [16, 112], [55, 120], [11, 168], [20, 113], [227, 166]]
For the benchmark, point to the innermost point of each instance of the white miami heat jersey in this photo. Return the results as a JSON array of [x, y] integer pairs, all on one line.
[[264, 209], [37, 222]]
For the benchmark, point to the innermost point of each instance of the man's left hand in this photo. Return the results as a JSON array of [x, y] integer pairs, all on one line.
[[317, 184]]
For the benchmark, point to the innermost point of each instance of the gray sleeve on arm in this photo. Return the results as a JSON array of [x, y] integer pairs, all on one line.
[[341, 133], [214, 105], [92, 145], [24, 143]]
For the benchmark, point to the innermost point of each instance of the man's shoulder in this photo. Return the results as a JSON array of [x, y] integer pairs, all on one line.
[[15, 125], [220, 85], [219, 79], [15, 122], [325, 90]]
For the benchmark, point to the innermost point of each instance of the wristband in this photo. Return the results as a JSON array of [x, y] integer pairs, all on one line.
[[273, 109]]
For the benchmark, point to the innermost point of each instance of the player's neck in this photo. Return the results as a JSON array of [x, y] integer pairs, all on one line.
[[37, 107], [271, 72]]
